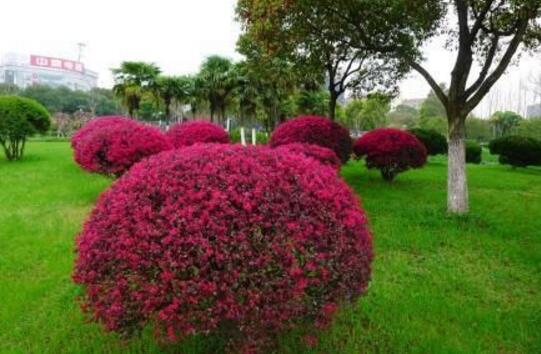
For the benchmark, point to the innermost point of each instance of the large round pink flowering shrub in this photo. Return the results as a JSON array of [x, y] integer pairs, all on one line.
[[111, 145], [314, 130], [94, 124], [222, 239], [190, 133], [321, 154], [392, 151]]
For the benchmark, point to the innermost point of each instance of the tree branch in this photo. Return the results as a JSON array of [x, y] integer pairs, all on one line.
[[437, 89], [486, 67], [479, 18], [500, 69]]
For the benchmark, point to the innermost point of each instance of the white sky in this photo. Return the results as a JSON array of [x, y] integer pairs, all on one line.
[[177, 35]]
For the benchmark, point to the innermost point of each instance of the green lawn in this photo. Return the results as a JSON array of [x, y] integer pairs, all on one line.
[[440, 284]]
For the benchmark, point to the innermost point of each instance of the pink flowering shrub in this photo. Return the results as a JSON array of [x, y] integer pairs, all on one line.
[[321, 154], [190, 133], [240, 242], [314, 130], [392, 151], [94, 124], [112, 145]]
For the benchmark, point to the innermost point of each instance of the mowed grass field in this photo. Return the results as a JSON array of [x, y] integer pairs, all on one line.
[[440, 284]]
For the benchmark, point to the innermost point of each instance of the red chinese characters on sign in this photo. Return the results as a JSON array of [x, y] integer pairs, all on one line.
[[56, 63]]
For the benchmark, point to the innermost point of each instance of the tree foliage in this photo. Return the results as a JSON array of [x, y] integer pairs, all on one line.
[[313, 36], [504, 122], [20, 118], [368, 113], [132, 81], [216, 81]]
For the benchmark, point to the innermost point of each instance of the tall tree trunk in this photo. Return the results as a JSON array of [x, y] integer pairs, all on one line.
[[457, 185], [167, 109], [212, 112], [332, 105]]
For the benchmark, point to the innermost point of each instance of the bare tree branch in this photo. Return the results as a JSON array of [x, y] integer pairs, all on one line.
[[500, 69], [437, 89], [486, 67]]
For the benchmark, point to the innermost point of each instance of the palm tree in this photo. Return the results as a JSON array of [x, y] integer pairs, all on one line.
[[132, 80], [246, 92], [172, 88], [216, 80]]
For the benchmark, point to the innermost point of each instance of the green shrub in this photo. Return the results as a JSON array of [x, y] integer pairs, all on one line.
[[262, 137], [20, 118], [517, 151], [434, 142], [473, 152]]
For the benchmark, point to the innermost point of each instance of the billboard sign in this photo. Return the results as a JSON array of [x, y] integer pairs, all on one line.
[[56, 63]]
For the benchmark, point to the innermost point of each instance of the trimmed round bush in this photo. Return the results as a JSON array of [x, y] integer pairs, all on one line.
[[222, 239], [20, 118], [517, 151], [190, 133], [111, 145], [391, 151], [434, 141], [473, 152], [321, 154], [314, 130], [95, 124]]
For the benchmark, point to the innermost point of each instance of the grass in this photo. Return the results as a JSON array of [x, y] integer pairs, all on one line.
[[440, 284]]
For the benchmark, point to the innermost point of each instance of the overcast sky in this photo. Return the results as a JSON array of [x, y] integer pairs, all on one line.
[[178, 35]]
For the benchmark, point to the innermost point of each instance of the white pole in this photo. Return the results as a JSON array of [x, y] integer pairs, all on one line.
[[254, 137], [242, 136]]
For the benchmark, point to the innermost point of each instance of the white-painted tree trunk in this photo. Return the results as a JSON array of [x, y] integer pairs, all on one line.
[[254, 137], [457, 184], [242, 136]]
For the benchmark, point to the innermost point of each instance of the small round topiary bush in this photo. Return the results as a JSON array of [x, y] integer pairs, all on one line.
[[321, 154], [110, 146], [517, 151], [473, 152], [190, 133], [434, 142], [314, 130], [20, 118], [392, 151], [222, 239]]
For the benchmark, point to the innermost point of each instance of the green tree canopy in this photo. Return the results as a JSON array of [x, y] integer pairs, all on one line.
[[132, 80], [504, 122], [313, 36], [216, 81], [20, 118]]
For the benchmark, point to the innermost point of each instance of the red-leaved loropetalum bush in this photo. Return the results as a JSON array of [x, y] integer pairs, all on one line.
[[199, 131], [110, 146], [95, 124], [391, 151], [314, 130], [321, 154], [213, 238]]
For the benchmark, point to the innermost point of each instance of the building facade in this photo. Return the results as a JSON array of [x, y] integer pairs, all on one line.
[[28, 70], [533, 111]]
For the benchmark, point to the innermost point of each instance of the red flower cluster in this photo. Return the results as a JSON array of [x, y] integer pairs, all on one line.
[[111, 145], [324, 155], [314, 130], [245, 242], [187, 134], [391, 151]]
